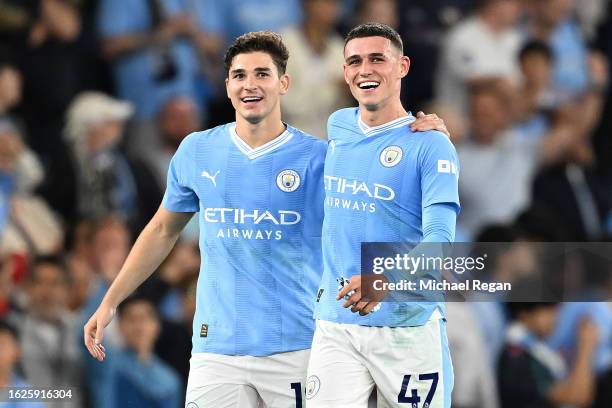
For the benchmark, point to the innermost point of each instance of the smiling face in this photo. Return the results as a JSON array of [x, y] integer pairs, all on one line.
[[374, 69], [254, 86]]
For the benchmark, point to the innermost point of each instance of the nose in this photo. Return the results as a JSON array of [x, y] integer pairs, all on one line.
[[365, 69], [249, 83]]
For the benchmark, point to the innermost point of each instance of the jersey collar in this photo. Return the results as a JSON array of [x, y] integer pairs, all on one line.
[[371, 131], [251, 153]]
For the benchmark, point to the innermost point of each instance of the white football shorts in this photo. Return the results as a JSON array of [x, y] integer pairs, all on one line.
[[220, 381], [410, 366]]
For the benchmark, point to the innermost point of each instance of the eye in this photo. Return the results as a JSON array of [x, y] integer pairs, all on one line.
[[377, 59], [238, 76], [353, 62], [262, 74]]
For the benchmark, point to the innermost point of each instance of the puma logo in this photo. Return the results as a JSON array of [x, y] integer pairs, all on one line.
[[212, 178]]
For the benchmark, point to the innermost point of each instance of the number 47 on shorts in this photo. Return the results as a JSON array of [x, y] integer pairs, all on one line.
[[414, 397]]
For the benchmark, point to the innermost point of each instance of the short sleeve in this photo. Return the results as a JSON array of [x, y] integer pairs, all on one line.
[[439, 168], [179, 196]]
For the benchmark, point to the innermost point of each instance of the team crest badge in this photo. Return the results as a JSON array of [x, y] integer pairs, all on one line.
[[391, 155], [288, 180], [313, 384]]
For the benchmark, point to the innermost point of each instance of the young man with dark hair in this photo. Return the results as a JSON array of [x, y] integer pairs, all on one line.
[[531, 373], [402, 347], [9, 357], [258, 186]]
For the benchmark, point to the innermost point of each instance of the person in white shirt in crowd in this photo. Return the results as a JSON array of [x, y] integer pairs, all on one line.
[[318, 87], [484, 45]]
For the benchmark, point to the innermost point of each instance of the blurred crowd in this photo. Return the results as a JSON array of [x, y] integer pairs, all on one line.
[[96, 96]]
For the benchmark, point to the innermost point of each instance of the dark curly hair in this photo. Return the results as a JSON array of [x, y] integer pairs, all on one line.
[[264, 41]]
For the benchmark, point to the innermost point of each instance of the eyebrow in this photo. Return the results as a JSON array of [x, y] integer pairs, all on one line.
[[371, 55], [242, 71]]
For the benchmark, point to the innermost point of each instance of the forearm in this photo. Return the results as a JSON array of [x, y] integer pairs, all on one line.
[[126, 44], [438, 226], [578, 388], [151, 248], [61, 19]]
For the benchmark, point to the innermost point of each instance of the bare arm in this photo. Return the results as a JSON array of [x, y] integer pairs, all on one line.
[[152, 246], [579, 388], [126, 44], [62, 20]]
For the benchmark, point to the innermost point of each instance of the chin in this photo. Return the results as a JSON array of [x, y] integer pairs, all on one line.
[[253, 119], [370, 106]]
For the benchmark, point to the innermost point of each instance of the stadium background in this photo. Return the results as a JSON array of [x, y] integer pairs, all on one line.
[[95, 97]]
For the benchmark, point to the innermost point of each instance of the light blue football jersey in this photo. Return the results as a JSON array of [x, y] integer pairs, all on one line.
[[260, 213], [377, 182]]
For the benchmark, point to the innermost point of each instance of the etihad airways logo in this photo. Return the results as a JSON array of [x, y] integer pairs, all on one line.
[[242, 216], [374, 190]]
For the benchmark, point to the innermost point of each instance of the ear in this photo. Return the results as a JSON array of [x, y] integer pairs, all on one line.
[[285, 81], [404, 66], [226, 88]]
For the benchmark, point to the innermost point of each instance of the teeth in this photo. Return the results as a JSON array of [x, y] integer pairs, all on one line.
[[368, 85], [251, 99]]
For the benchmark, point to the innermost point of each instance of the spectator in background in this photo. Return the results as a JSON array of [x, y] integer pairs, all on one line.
[[167, 286], [133, 375], [496, 166], [483, 46], [578, 77], [42, 36], [9, 344], [550, 22], [423, 25], [531, 374], [49, 340], [565, 338], [10, 86], [110, 242], [109, 248], [28, 168], [100, 180], [317, 84], [178, 118], [543, 114], [573, 192], [27, 225], [474, 384], [537, 99], [232, 18], [10, 148], [154, 46], [380, 11], [509, 259]]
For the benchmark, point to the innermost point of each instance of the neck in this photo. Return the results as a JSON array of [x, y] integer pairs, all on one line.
[[314, 36], [382, 116], [258, 134]]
